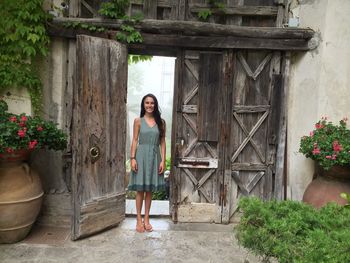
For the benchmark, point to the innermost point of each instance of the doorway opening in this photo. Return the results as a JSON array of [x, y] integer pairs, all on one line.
[[154, 76]]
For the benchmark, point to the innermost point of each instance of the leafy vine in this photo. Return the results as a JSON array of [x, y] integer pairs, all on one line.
[[22, 37], [204, 14]]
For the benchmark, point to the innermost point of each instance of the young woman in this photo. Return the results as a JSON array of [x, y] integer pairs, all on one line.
[[147, 160]]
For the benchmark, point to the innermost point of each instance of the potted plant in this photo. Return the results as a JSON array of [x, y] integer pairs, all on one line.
[[329, 146], [20, 188]]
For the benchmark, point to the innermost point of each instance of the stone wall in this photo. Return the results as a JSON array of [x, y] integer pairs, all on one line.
[[320, 83]]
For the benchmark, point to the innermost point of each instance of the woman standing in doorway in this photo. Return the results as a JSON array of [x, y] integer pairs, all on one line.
[[147, 160]]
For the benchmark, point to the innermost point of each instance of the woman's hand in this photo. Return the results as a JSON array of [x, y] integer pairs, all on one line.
[[161, 167], [133, 165]]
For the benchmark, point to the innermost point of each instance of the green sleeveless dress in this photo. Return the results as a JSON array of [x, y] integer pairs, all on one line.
[[148, 159]]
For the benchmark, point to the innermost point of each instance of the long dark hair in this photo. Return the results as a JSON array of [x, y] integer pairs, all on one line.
[[156, 113]]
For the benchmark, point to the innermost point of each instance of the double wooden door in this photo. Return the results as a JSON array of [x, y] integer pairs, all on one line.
[[226, 125]]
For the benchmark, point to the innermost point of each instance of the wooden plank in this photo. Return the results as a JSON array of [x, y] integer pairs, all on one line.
[[248, 166], [196, 28], [254, 181], [99, 107], [189, 109], [282, 136], [250, 108], [237, 10], [150, 9], [96, 215], [181, 15], [248, 138], [210, 86], [252, 141], [228, 187]]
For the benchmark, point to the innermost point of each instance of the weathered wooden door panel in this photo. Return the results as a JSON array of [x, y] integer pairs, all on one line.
[[98, 136], [253, 128], [196, 159]]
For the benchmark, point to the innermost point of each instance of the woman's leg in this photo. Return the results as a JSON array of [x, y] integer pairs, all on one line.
[[139, 201], [148, 201]]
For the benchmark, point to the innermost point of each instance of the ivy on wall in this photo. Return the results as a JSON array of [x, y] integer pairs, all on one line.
[[115, 9], [22, 37]]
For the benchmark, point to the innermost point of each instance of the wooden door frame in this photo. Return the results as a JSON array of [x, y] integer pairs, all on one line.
[[225, 168]]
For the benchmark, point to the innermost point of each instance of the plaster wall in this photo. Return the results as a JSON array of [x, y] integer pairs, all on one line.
[[319, 82]]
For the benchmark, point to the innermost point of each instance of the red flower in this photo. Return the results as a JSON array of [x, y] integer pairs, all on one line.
[[23, 118], [328, 157], [337, 147], [22, 124], [9, 150], [13, 119], [32, 144], [319, 126], [39, 128], [21, 133], [316, 151]]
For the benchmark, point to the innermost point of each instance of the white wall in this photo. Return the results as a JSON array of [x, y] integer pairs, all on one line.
[[320, 83]]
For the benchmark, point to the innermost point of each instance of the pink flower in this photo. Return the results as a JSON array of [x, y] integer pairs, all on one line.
[[23, 118], [39, 128], [334, 156], [22, 124], [13, 119], [328, 157], [319, 126], [9, 150], [21, 133], [32, 144], [337, 147], [316, 151], [311, 134]]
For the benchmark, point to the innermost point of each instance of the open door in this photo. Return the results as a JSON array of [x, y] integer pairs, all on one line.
[[98, 136]]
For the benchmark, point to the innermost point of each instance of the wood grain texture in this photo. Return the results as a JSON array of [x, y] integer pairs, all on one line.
[[99, 110], [210, 83]]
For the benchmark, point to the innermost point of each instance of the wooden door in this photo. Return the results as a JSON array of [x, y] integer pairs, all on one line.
[[98, 136], [197, 137], [254, 129]]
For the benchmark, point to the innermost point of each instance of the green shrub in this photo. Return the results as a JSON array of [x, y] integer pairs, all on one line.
[[292, 231]]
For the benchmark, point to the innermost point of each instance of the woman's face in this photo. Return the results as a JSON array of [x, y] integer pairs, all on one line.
[[149, 105]]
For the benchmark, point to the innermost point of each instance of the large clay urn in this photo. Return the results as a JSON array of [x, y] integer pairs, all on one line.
[[20, 198], [328, 186]]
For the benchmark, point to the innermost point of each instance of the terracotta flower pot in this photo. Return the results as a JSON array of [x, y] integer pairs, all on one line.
[[20, 199], [328, 186]]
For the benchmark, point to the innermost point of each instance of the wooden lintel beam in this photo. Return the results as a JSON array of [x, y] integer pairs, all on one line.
[[239, 10], [192, 28], [197, 42]]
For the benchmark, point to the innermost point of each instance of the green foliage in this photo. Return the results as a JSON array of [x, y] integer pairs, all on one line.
[[204, 14], [291, 231], [129, 34], [137, 58], [22, 132], [347, 198], [91, 28], [328, 144], [22, 37], [114, 9]]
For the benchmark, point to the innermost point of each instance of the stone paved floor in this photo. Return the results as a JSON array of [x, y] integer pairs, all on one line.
[[167, 243]]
